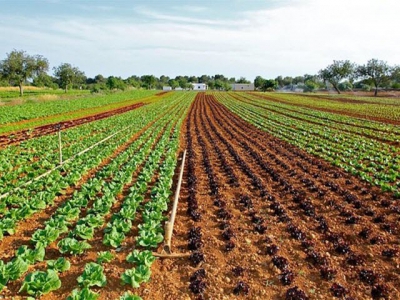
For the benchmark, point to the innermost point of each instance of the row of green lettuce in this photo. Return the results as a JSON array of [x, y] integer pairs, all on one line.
[[35, 197], [110, 182], [370, 159], [29, 110]]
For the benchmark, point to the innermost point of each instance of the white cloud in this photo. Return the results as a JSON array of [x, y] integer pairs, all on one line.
[[294, 39]]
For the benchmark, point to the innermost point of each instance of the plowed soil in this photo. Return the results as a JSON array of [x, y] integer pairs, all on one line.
[[23, 135], [287, 218]]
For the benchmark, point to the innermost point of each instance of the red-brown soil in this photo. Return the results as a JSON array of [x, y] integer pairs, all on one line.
[[23, 135], [269, 193]]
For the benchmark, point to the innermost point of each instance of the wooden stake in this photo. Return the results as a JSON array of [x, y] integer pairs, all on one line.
[[169, 225], [60, 146], [171, 255]]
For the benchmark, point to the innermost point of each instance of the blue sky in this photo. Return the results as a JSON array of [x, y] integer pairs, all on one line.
[[173, 37]]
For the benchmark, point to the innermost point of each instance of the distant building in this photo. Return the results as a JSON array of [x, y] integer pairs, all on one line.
[[199, 86], [167, 88], [242, 86]]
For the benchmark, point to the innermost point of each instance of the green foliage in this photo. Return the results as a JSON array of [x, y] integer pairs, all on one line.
[[39, 283], [113, 238], [134, 277], [269, 85], [45, 236], [310, 86], [378, 72], [115, 83], [19, 66], [31, 255], [345, 86], [92, 276], [15, 268], [61, 264], [83, 294], [4, 276], [129, 296], [149, 239], [336, 72], [67, 75], [104, 256], [72, 246], [141, 257]]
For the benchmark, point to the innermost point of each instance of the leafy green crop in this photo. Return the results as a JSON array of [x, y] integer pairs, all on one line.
[[31, 255], [141, 258], [92, 276], [61, 264], [72, 246], [134, 277], [39, 283], [83, 294], [129, 296], [15, 268], [104, 256]]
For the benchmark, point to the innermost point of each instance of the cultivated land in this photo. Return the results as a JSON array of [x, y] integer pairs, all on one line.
[[283, 197]]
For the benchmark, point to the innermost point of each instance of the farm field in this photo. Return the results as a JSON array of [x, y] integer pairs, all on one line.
[[283, 197]]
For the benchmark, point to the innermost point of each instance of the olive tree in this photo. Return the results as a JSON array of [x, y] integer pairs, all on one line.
[[67, 75], [377, 72], [19, 66], [336, 72]]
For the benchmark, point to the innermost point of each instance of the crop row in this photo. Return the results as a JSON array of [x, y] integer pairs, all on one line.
[[23, 162], [100, 194], [386, 110], [25, 202], [281, 207], [373, 161], [376, 130], [27, 111]]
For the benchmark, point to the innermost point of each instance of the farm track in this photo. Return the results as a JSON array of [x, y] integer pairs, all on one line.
[[20, 136], [291, 193], [281, 111], [335, 111]]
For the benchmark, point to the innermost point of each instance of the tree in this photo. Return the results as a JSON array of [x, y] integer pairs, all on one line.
[[67, 75], [18, 67], [298, 79], [336, 72], [45, 80], [269, 85], [258, 82], [376, 72], [173, 83], [149, 81], [310, 85], [115, 83], [183, 83], [242, 80]]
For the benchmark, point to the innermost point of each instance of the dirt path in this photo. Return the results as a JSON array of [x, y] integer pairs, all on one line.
[[287, 218]]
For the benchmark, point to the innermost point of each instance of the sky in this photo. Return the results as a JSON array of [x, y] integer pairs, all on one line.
[[236, 38]]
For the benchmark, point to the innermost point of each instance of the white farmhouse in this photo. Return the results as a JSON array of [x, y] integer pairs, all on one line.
[[199, 86], [166, 88], [242, 86]]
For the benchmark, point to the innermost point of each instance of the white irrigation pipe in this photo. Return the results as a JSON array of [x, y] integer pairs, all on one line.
[[169, 225], [63, 163]]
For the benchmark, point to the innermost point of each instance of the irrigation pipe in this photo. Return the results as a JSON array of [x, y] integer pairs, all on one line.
[[63, 163], [169, 225]]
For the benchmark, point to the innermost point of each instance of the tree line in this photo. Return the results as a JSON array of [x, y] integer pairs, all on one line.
[[20, 68]]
